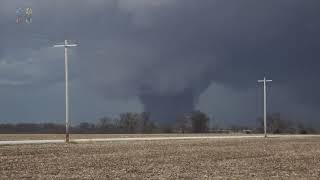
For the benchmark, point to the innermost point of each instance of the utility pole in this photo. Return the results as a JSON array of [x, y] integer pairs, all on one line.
[[264, 81], [66, 45]]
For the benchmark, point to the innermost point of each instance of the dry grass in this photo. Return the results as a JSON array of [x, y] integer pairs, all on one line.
[[273, 158]]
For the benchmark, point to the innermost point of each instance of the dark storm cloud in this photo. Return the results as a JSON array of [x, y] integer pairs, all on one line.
[[168, 52]]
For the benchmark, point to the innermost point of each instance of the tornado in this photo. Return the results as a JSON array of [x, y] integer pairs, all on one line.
[[164, 108]]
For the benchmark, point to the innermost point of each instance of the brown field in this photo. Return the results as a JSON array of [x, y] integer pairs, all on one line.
[[11, 137], [272, 158]]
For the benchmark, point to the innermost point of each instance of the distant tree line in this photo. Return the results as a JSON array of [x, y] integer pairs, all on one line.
[[130, 122], [32, 128], [278, 124], [193, 122]]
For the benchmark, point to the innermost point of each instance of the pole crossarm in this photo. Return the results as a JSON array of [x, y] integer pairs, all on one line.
[[261, 81], [66, 45]]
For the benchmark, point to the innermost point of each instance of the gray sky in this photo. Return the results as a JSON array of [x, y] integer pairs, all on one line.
[[208, 54]]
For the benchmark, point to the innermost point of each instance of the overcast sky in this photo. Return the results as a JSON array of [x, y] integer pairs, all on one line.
[[206, 54]]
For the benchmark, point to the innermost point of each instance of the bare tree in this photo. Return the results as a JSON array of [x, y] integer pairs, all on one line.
[[129, 122]]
